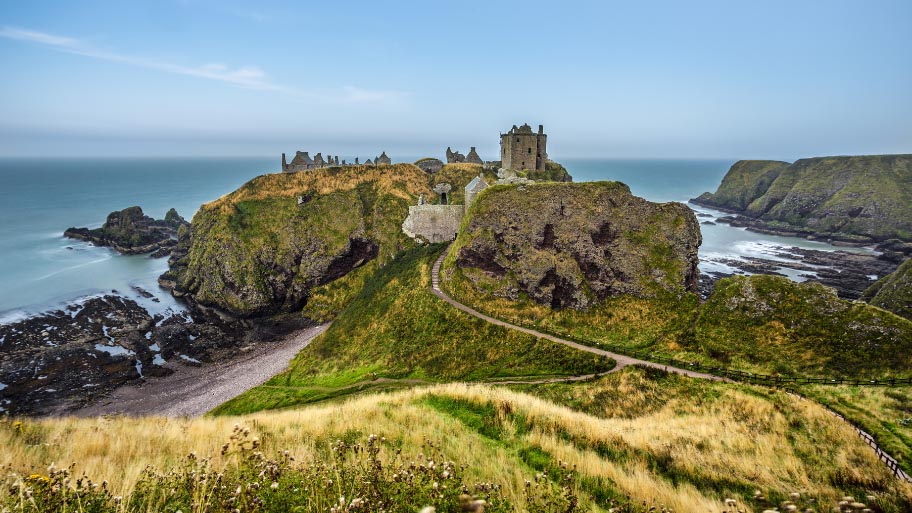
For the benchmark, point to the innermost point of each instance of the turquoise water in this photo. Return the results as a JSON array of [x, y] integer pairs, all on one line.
[[39, 199]]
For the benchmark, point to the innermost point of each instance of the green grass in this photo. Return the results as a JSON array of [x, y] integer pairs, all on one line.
[[396, 329]]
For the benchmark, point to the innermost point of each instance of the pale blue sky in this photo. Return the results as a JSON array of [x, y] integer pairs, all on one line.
[[771, 79]]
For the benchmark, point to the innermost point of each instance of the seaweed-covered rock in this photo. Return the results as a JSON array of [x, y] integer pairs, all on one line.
[[893, 292], [129, 231], [854, 199], [571, 245]]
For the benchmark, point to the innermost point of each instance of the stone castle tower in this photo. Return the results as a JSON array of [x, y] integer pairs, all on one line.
[[521, 148]]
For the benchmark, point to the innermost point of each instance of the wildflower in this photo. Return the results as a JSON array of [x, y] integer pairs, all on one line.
[[274, 485], [427, 509]]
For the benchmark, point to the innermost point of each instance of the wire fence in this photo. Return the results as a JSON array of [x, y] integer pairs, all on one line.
[[888, 460], [718, 370]]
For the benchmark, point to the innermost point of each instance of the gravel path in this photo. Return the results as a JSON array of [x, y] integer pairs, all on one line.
[[193, 391], [622, 360]]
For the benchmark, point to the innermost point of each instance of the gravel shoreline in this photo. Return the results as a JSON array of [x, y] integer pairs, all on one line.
[[193, 391]]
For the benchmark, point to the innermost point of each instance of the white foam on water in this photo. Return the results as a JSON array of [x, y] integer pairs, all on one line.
[[114, 350]]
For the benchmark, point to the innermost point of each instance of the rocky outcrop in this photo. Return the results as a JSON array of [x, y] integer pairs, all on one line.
[[861, 199], [261, 249], [803, 329], [131, 232], [894, 291], [571, 245]]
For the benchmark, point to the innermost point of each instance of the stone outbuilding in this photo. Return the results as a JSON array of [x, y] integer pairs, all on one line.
[[383, 160], [472, 190]]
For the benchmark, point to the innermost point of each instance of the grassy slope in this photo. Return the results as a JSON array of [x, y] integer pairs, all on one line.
[[885, 413], [746, 181], [769, 323], [395, 329], [661, 439], [764, 324], [893, 292]]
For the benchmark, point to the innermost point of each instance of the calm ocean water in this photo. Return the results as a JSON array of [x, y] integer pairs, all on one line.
[[39, 199]]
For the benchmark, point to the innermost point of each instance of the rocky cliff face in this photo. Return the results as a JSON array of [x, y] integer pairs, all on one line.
[[261, 249], [130, 231], [571, 245], [894, 291], [855, 199]]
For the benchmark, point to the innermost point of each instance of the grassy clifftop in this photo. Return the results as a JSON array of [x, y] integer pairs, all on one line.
[[864, 198], [258, 251]]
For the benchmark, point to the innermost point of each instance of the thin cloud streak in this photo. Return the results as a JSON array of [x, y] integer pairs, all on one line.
[[247, 77]]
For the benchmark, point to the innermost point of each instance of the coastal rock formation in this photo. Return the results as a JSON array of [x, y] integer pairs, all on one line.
[[131, 232], [571, 245], [853, 199], [894, 291], [261, 249], [90, 347], [804, 327]]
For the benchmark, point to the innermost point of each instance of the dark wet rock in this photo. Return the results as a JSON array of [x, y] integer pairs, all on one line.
[[848, 272], [708, 223], [131, 232]]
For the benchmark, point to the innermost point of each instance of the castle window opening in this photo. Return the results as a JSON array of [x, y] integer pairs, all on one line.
[[529, 151], [443, 199]]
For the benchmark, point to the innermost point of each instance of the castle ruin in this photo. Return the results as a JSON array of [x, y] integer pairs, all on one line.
[[522, 149], [454, 157], [302, 161]]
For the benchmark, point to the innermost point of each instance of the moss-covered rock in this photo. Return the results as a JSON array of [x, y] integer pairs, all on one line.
[[261, 249], [773, 323], [571, 245], [859, 199], [130, 231], [893, 292]]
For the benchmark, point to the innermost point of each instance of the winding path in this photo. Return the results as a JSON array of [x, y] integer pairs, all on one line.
[[622, 360]]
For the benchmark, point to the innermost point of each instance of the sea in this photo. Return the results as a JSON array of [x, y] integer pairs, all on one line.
[[41, 270]]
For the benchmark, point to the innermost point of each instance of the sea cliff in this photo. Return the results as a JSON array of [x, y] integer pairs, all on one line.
[[862, 199]]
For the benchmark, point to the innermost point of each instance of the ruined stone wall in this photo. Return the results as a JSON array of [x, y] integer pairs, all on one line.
[[433, 223]]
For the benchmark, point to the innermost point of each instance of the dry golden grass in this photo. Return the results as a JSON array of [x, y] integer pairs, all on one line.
[[774, 442], [405, 181]]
